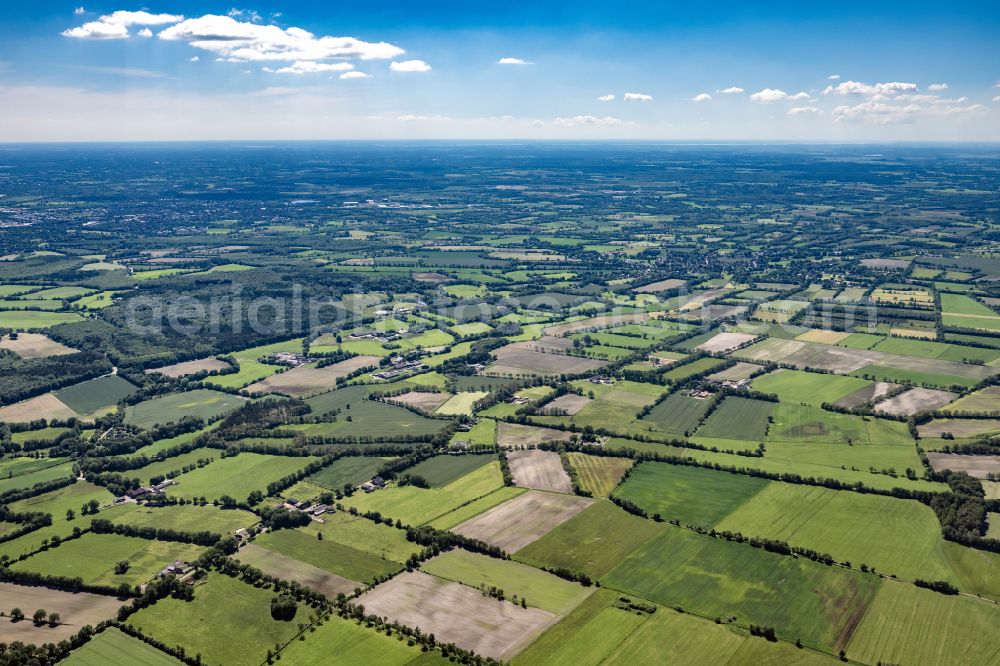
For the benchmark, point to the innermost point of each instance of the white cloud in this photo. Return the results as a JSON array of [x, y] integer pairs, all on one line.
[[876, 113], [997, 98], [236, 40], [310, 67], [97, 30], [878, 89], [606, 98], [355, 75], [79, 10], [116, 25], [833, 77], [769, 95], [731, 90], [194, 59], [513, 61], [937, 87], [410, 118], [578, 121], [145, 32], [410, 66], [637, 97], [701, 97], [804, 111]]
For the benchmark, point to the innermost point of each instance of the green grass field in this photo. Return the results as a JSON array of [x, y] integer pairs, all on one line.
[[594, 541], [113, 647], [538, 588], [21, 320], [351, 470], [236, 476], [327, 554], [18, 473], [714, 577], [442, 470], [738, 418], [677, 415], [474, 508], [366, 415], [216, 623], [362, 534], [599, 475], [907, 625], [798, 386], [187, 518], [92, 557], [415, 506], [901, 537], [340, 641], [89, 396], [202, 403], [693, 495], [807, 424]]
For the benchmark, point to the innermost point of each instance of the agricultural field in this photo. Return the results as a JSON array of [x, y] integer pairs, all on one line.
[[518, 522], [599, 475], [93, 557], [579, 401], [232, 606], [201, 403], [76, 610], [693, 495], [442, 607], [112, 647]]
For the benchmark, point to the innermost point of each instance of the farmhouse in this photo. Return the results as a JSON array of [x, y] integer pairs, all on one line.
[[178, 568]]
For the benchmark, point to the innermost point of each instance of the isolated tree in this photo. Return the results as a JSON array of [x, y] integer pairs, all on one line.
[[40, 616], [16, 615], [55, 619], [283, 607]]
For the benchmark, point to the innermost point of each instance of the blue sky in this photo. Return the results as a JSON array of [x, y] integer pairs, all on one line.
[[876, 71]]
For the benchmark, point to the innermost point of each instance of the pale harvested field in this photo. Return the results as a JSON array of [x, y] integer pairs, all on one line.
[[45, 406], [736, 372], [959, 427], [868, 393], [772, 349], [835, 359], [307, 379], [984, 400], [457, 614], [723, 342], [282, 566], [895, 264], [35, 345], [546, 343], [915, 400], [922, 334], [541, 470], [821, 336], [190, 367], [662, 285], [424, 400], [76, 610], [569, 404], [595, 323], [523, 520], [515, 361], [515, 434], [977, 466]]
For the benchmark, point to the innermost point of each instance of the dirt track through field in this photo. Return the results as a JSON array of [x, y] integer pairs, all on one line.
[[522, 520], [458, 614]]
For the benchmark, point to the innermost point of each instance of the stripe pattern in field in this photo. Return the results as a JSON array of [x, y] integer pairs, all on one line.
[[541, 470], [457, 614], [518, 522]]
